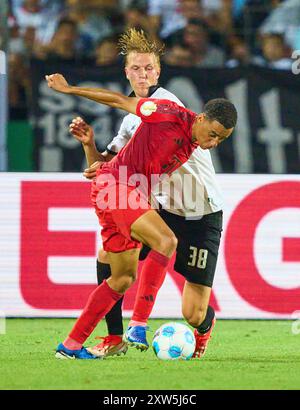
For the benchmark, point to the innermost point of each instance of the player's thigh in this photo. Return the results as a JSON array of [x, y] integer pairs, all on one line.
[[195, 300], [124, 263], [103, 256], [123, 269], [151, 230], [198, 246]]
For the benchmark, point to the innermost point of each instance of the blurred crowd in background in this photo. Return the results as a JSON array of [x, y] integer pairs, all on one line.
[[196, 33]]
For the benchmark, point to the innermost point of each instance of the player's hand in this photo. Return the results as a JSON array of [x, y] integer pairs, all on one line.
[[90, 172], [58, 83], [82, 131]]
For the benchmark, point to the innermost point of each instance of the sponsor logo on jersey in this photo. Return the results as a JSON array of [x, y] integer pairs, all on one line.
[[148, 107]]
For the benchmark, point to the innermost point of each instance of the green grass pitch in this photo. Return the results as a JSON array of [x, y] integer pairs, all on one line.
[[241, 355]]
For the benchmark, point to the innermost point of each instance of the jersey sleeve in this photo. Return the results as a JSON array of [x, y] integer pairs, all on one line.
[[156, 110], [121, 139]]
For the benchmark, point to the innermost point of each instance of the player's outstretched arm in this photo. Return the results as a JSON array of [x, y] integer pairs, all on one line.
[[84, 133], [111, 98], [91, 171]]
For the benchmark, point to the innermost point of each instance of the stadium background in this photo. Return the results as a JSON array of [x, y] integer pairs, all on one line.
[[239, 49], [258, 270]]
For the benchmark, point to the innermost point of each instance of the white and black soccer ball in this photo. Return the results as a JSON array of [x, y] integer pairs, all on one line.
[[174, 341]]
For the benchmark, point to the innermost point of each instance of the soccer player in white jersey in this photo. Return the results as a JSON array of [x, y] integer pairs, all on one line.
[[196, 223]]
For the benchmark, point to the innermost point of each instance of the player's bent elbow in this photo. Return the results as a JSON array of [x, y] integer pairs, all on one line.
[[128, 104]]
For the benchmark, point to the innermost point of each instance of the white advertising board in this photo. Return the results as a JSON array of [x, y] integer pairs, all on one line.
[[49, 236]]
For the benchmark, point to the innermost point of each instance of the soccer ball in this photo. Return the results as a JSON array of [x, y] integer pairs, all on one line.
[[174, 341]]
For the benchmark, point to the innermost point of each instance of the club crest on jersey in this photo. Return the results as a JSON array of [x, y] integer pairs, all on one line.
[[148, 107]]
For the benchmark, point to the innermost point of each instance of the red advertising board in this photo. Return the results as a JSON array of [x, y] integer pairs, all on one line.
[[50, 235]]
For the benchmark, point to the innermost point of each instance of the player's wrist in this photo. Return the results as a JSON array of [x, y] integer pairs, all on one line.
[[89, 144], [69, 89]]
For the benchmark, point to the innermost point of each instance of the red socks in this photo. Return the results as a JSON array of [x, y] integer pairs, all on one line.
[[100, 302], [103, 298], [152, 277]]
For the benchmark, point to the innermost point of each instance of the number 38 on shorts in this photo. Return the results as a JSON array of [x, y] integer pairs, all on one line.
[[198, 257]]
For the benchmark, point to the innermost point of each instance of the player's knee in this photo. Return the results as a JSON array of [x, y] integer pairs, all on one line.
[[168, 244], [123, 283], [173, 243], [102, 256], [194, 318]]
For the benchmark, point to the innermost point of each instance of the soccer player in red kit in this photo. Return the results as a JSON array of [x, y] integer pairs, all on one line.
[[154, 150]]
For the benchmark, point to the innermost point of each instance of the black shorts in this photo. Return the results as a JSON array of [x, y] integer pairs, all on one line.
[[198, 246]]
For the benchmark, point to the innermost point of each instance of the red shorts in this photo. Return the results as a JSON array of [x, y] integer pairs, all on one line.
[[118, 214]]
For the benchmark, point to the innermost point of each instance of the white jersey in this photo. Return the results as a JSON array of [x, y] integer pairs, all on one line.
[[201, 194]]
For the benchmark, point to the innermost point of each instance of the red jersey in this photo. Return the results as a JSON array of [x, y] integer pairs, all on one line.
[[161, 144]]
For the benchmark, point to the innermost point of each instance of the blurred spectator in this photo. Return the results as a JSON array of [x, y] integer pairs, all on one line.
[[179, 55], [275, 52], [42, 17], [217, 14], [18, 86], [4, 13], [212, 12], [239, 53], [64, 44], [196, 39], [284, 19], [21, 42], [166, 17], [136, 16], [106, 52], [92, 19], [29, 13], [29, 41], [54, 5], [248, 15], [192, 9], [16, 44]]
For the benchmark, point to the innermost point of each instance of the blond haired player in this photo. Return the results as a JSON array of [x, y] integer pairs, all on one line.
[[198, 239]]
